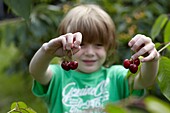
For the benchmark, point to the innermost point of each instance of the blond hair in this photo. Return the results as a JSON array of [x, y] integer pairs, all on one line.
[[94, 24]]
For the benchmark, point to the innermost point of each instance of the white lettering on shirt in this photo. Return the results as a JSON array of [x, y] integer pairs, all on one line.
[[79, 99]]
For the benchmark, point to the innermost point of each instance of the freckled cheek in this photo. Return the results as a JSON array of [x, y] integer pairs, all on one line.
[[102, 55]]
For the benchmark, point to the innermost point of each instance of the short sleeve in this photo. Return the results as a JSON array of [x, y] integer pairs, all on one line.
[[122, 82], [46, 92]]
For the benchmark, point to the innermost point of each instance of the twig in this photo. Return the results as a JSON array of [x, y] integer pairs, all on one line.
[[164, 47], [11, 110]]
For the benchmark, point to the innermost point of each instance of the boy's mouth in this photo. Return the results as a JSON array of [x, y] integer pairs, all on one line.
[[89, 62]]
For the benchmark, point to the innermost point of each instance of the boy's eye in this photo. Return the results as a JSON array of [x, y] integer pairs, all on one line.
[[99, 44], [81, 44]]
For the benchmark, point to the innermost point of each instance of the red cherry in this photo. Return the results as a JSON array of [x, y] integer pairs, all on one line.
[[73, 65], [126, 63], [137, 61], [133, 68], [65, 65]]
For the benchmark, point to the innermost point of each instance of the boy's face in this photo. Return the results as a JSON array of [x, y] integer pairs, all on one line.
[[90, 57]]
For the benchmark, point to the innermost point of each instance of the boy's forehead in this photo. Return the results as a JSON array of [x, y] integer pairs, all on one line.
[[91, 39]]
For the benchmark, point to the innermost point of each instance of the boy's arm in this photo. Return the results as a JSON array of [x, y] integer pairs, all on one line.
[[143, 45], [39, 65]]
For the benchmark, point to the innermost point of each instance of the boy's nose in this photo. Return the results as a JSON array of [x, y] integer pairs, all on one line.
[[89, 50]]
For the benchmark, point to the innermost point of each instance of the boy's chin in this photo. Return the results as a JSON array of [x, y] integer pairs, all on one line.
[[88, 70]]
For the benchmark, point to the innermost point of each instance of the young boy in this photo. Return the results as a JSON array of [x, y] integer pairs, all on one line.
[[88, 36]]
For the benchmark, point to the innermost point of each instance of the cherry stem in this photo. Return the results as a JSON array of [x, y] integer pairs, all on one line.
[[131, 52], [66, 56], [71, 52], [164, 47]]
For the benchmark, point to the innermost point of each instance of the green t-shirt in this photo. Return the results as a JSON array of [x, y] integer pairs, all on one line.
[[72, 91]]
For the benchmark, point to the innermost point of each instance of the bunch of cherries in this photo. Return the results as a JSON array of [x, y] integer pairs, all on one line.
[[131, 64], [69, 64]]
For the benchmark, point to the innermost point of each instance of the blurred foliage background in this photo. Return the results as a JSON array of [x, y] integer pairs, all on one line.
[[26, 27]]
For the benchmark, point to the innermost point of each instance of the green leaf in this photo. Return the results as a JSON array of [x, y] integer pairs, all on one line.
[[113, 108], [13, 105], [155, 105], [167, 32], [158, 25], [20, 7], [18, 105], [22, 105], [30, 110], [164, 76], [157, 45]]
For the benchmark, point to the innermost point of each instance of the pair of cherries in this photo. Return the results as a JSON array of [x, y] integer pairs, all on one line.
[[131, 64], [67, 65]]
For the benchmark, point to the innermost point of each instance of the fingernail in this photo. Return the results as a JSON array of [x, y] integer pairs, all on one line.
[[129, 44]]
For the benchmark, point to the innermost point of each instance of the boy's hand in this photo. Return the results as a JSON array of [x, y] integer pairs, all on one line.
[[59, 46], [143, 46]]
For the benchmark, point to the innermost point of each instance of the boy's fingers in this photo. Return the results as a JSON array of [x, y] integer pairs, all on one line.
[[137, 45], [139, 40], [154, 55], [75, 50], [134, 39], [69, 41], [77, 39], [143, 50], [63, 40]]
